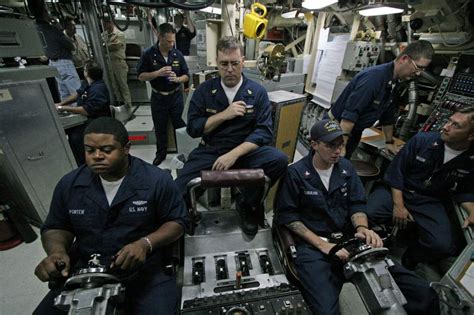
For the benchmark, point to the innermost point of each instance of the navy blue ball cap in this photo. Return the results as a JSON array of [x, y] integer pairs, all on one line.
[[326, 130]]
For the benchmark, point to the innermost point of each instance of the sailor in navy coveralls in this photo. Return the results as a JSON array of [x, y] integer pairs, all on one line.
[[322, 194], [122, 208], [232, 114], [165, 68], [431, 169], [370, 96]]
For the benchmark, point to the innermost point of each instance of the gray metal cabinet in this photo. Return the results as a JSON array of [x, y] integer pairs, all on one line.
[[34, 152]]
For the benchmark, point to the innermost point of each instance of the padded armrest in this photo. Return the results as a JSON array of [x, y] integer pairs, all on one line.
[[173, 256], [286, 236], [232, 178]]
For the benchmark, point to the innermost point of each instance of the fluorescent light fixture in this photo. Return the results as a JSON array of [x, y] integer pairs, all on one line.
[[317, 4], [212, 10], [291, 14], [380, 10]]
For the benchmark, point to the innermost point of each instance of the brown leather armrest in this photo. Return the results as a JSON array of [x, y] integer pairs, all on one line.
[[232, 178], [286, 236]]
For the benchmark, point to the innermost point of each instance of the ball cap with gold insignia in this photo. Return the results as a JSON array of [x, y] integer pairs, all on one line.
[[326, 130]]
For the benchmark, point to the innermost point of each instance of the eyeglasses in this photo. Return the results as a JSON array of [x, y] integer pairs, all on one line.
[[225, 64], [333, 146], [418, 68]]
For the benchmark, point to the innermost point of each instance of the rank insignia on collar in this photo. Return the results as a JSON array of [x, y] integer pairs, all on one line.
[[214, 91], [344, 172], [249, 92], [435, 144], [307, 173]]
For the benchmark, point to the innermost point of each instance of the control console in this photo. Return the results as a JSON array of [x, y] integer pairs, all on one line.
[[227, 274], [454, 93]]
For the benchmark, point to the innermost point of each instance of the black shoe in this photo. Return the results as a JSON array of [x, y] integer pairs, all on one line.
[[408, 262], [248, 220], [157, 161]]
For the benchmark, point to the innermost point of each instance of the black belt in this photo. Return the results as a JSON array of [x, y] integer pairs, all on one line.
[[166, 92]]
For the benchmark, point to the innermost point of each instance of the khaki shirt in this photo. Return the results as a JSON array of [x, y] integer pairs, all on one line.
[[80, 55], [115, 42]]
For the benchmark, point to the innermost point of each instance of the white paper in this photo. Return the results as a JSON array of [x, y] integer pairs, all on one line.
[[306, 60], [328, 69], [317, 60], [467, 279], [368, 133], [447, 73]]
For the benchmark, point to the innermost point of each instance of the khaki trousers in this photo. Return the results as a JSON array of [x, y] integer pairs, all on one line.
[[119, 81]]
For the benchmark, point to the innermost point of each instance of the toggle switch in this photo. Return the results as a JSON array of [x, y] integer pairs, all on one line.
[[243, 263], [199, 275], [221, 268]]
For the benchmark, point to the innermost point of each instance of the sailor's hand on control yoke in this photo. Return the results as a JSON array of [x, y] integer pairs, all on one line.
[[236, 109], [131, 255], [48, 267], [371, 238], [342, 254]]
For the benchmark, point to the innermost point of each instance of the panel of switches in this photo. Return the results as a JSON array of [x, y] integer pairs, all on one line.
[[284, 299]]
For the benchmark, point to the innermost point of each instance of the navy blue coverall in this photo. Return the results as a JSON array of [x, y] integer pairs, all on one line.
[[167, 98], [95, 100], [418, 171], [303, 197], [146, 199], [367, 98], [255, 127]]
